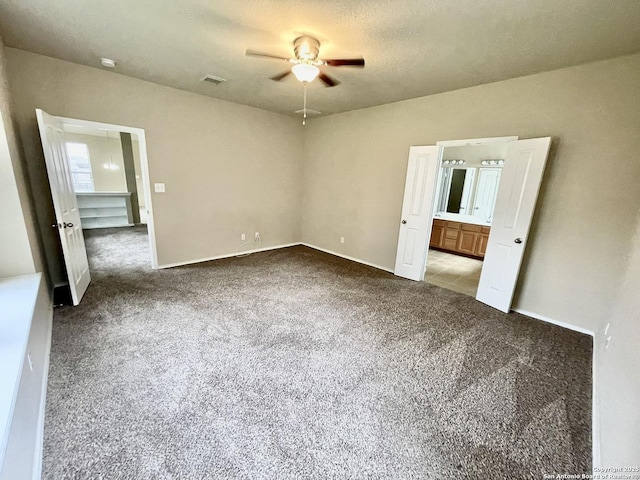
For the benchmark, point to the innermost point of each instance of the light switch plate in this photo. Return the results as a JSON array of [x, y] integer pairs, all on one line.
[[158, 187]]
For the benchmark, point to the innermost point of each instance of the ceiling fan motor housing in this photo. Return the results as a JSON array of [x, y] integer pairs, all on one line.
[[306, 48]]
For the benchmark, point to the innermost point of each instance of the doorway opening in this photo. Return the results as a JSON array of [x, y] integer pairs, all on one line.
[[97, 181], [469, 177], [505, 240], [110, 175], [107, 177]]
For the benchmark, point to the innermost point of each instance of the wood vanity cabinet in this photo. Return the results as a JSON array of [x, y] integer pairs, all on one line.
[[483, 239], [451, 234], [468, 238], [458, 237], [437, 233]]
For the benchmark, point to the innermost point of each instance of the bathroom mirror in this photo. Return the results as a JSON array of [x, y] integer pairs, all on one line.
[[468, 191], [455, 193]]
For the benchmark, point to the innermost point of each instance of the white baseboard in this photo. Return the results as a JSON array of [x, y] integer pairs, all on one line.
[[228, 255], [347, 257], [575, 328], [37, 464]]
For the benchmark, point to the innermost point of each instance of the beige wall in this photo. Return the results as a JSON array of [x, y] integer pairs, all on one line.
[[102, 150], [355, 166], [617, 372], [228, 168], [15, 249], [19, 247]]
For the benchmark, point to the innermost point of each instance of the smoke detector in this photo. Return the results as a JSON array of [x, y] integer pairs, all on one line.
[[107, 62], [213, 79]]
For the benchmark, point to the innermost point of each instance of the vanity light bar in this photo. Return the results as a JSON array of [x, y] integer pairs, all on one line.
[[492, 162], [453, 162]]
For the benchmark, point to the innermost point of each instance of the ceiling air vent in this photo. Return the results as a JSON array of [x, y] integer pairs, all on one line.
[[213, 79]]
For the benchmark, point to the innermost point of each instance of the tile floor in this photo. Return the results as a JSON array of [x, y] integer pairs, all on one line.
[[454, 272]]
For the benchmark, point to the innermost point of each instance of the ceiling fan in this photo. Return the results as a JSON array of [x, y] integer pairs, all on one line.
[[306, 62]]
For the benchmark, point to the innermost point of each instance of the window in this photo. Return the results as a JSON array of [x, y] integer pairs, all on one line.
[[80, 164]]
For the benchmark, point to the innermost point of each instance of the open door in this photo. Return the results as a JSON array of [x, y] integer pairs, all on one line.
[[515, 204], [64, 204], [417, 211]]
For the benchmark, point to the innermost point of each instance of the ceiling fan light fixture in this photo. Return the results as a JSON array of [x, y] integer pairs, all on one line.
[[305, 72], [306, 61]]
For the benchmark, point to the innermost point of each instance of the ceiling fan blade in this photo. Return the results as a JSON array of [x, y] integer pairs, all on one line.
[[345, 62], [253, 53], [279, 77], [327, 80]]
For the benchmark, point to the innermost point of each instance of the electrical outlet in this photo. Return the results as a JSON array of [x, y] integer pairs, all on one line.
[[257, 236], [243, 237], [341, 239], [159, 187]]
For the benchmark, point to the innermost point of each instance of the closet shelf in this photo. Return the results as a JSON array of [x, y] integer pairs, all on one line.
[[108, 215], [105, 209]]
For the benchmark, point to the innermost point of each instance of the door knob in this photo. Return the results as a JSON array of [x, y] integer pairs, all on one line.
[[517, 240], [68, 225], [404, 222], [56, 225]]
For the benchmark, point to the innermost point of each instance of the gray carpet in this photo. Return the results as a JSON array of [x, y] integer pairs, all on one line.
[[297, 364]]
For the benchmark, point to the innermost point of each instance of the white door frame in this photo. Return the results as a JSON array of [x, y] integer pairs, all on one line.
[[144, 165]]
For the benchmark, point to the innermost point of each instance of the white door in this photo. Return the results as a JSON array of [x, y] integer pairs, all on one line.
[[515, 203], [488, 181], [64, 204], [417, 211]]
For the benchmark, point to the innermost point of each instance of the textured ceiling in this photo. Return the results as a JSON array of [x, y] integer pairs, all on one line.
[[412, 48]]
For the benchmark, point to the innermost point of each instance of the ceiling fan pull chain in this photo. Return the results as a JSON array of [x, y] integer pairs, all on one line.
[[304, 110]]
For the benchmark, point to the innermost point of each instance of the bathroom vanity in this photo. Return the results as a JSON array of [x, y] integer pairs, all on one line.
[[459, 237]]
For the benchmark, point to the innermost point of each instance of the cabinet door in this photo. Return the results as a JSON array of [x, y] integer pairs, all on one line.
[[437, 235], [481, 246], [467, 242], [450, 240]]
